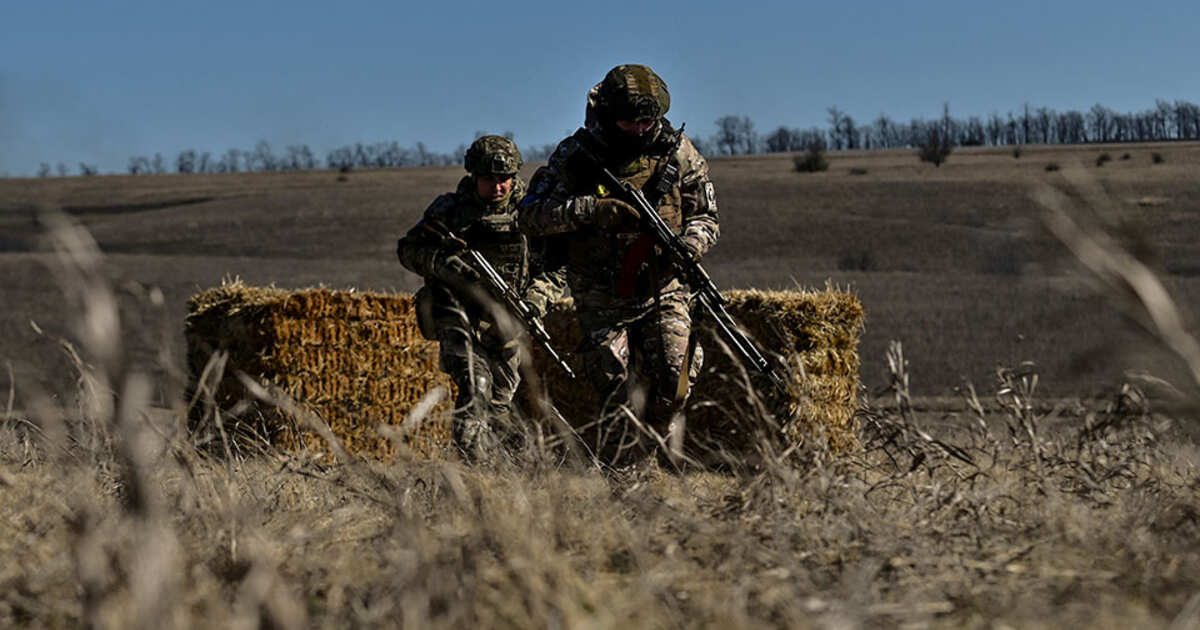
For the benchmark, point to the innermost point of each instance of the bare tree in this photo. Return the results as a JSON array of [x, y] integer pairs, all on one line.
[[995, 129], [340, 158], [1026, 125], [948, 125], [1072, 128], [886, 132], [781, 140], [848, 132], [186, 161], [1045, 123], [305, 158], [43, 170], [232, 160], [835, 124], [139, 165], [264, 158], [1100, 120], [749, 137], [1162, 119], [1187, 116], [973, 134], [735, 135], [1012, 131]]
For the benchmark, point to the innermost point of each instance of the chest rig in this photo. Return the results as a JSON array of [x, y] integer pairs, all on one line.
[[631, 268], [496, 237]]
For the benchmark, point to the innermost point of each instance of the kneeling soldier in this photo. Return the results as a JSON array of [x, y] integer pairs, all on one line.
[[479, 353]]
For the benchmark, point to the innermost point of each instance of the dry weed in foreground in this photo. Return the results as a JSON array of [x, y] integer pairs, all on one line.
[[1131, 286], [1008, 516]]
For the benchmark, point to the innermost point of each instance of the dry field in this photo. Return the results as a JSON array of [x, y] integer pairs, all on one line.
[[952, 261], [1057, 497]]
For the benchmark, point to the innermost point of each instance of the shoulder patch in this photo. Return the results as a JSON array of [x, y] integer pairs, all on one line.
[[540, 185], [710, 195]]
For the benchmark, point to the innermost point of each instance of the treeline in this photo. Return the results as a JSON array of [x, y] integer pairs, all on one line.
[[296, 157], [735, 135], [262, 157], [1179, 120]]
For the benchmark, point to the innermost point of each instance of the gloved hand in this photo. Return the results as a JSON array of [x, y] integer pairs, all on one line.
[[614, 215], [451, 268], [694, 244]]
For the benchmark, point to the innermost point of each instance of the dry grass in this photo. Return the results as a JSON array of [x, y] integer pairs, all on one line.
[[1102, 538], [1007, 515]]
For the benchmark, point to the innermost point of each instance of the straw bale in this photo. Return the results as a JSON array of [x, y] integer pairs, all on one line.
[[816, 332], [799, 320], [357, 360], [354, 359]]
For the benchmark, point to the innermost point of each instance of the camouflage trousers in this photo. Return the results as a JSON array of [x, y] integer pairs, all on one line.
[[484, 371], [633, 357]]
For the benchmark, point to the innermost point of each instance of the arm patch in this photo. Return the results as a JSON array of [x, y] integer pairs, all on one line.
[[710, 195]]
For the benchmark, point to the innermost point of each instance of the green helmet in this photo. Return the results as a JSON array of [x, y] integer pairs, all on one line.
[[633, 92], [493, 155]]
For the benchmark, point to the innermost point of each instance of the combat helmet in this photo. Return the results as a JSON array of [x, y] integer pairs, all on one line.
[[493, 155], [633, 92]]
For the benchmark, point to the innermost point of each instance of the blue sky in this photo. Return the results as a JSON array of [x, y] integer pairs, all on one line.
[[98, 82]]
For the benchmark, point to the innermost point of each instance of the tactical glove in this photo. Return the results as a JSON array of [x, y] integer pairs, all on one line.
[[614, 215], [451, 268]]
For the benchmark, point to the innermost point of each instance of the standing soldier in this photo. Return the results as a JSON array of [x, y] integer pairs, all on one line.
[[632, 305], [480, 353]]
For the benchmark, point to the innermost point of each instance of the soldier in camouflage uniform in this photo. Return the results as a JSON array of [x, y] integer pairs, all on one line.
[[480, 353], [632, 306]]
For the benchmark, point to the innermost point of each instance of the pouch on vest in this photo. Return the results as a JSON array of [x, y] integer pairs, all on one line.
[[423, 305]]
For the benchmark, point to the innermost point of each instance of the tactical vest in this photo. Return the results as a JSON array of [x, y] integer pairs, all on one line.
[[604, 256], [497, 238], [492, 232]]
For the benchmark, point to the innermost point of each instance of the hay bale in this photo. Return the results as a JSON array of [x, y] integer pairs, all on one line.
[[816, 331], [357, 360], [817, 334]]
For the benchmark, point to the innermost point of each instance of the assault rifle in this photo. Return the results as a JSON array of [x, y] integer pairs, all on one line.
[[710, 300], [501, 291]]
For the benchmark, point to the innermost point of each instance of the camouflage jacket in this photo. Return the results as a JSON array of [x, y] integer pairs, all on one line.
[[599, 262], [492, 231]]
